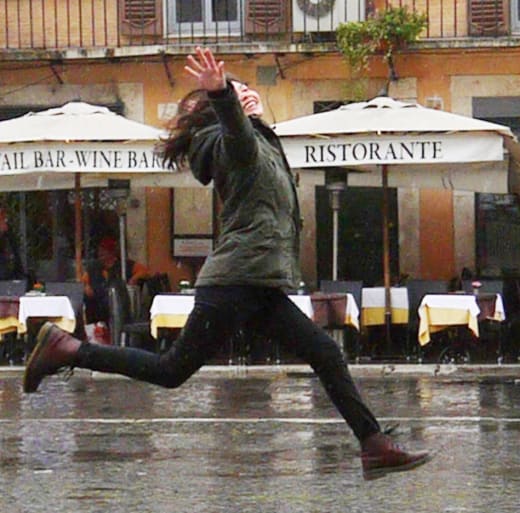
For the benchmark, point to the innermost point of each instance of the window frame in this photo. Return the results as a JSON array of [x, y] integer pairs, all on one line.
[[206, 27], [515, 16]]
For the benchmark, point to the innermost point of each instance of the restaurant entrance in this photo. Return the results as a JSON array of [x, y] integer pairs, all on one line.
[[360, 238]]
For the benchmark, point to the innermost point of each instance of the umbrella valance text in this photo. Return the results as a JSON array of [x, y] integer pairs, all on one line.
[[78, 158], [340, 151]]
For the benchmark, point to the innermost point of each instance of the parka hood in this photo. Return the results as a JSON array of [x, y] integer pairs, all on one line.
[[201, 156]]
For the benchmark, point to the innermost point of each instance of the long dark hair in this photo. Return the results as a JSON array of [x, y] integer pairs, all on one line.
[[194, 112]]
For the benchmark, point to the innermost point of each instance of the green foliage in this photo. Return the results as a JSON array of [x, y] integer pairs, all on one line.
[[385, 32]]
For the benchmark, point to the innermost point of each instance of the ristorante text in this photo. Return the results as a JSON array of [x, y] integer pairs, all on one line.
[[374, 151]]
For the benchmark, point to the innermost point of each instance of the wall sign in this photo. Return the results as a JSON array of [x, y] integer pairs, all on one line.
[[84, 158]]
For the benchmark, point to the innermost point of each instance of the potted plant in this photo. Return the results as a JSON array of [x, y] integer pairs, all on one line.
[[384, 32]]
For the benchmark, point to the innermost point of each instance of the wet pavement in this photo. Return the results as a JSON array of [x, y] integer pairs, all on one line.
[[240, 442]]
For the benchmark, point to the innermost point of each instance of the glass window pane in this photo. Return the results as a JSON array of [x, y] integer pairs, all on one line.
[[498, 234], [188, 11], [224, 10]]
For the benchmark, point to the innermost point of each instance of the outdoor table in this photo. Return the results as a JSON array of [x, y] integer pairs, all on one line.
[[373, 305], [172, 310], [440, 311], [56, 308], [9, 307]]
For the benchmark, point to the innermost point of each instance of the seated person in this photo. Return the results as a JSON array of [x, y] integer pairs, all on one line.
[[11, 267], [99, 275]]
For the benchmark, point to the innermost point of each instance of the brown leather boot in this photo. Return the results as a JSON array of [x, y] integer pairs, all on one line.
[[380, 456], [54, 350]]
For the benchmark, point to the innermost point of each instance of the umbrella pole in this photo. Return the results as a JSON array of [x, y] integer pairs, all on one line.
[[78, 222], [386, 260], [122, 243], [335, 244]]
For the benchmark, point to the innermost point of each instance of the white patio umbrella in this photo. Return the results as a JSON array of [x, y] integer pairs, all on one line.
[[77, 145], [392, 143]]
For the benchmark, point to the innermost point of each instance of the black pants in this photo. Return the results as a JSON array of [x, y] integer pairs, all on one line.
[[218, 313]]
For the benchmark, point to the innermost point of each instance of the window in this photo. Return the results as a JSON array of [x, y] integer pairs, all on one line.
[[515, 20], [498, 234], [201, 17], [504, 110]]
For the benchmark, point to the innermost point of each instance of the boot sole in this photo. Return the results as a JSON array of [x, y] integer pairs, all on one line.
[[377, 473], [41, 342]]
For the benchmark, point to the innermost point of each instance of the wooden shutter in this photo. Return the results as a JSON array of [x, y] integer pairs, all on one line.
[[140, 16], [488, 17], [266, 16]]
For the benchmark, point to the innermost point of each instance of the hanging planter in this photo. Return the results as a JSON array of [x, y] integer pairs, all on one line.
[[385, 33]]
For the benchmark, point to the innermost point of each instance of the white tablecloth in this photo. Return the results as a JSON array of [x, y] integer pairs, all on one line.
[[58, 308], [452, 302], [303, 302], [352, 313], [172, 304]]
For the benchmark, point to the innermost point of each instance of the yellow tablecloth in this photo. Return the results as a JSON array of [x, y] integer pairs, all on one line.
[[373, 305], [8, 325], [440, 311], [56, 308], [9, 307]]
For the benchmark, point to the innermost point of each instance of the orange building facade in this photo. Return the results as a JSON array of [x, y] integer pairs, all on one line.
[[133, 52]]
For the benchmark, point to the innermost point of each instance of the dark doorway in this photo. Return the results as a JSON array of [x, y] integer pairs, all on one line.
[[360, 239]]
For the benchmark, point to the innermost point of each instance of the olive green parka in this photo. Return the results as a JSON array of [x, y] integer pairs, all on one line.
[[259, 236]]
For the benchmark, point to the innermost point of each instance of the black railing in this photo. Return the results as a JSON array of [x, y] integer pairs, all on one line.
[[84, 24]]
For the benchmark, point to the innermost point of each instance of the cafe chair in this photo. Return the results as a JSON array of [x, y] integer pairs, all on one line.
[[351, 337], [164, 281], [343, 286], [11, 346], [74, 290], [417, 289], [159, 283], [492, 332], [13, 288], [124, 329], [488, 286]]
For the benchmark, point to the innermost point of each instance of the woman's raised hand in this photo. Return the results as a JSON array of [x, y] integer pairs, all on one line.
[[208, 72]]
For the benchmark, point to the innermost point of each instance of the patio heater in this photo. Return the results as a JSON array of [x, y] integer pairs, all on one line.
[[119, 190], [336, 184]]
